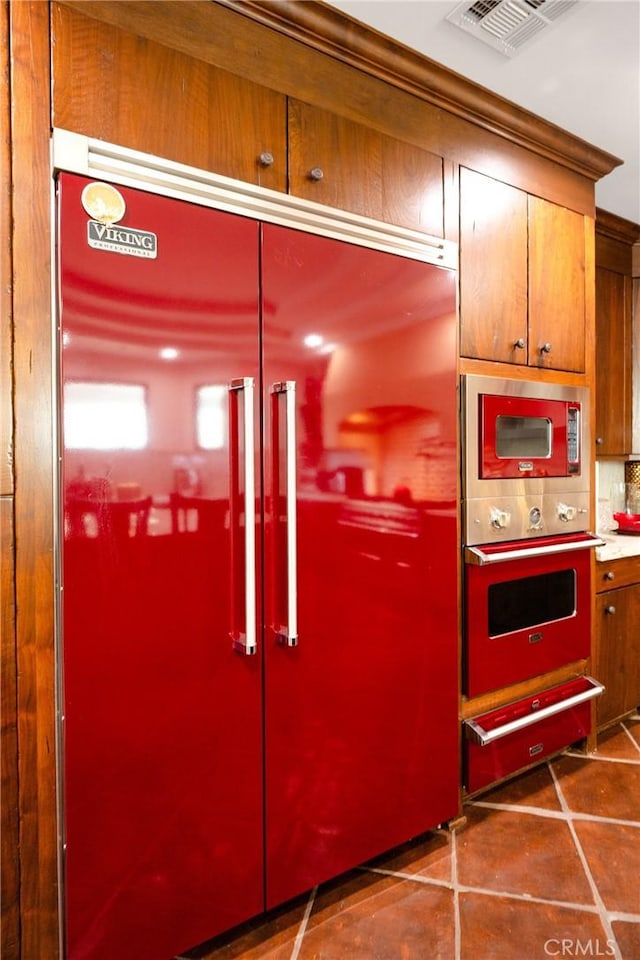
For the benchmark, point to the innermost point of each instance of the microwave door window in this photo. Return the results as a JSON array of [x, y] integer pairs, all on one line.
[[523, 438], [528, 602]]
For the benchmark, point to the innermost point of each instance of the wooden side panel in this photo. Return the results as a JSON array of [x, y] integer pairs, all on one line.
[[613, 366], [617, 662], [10, 887], [6, 404], [493, 269], [30, 119], [556, 286], [129, 90]]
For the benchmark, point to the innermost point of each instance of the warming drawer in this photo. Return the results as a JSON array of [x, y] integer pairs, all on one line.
[[514, 736]]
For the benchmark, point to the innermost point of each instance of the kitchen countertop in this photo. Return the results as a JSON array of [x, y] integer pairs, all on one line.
[[618, 545]]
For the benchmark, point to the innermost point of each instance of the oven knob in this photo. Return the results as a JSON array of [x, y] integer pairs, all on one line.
[[566, 513], [535, 518], [500, 519]]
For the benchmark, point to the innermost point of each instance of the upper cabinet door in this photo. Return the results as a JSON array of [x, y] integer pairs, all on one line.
[[493, 269], [556, 287], [343, 164], [613, 363], [171, 105]]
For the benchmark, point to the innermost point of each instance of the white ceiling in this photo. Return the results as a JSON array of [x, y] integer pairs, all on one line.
[[582, 73]]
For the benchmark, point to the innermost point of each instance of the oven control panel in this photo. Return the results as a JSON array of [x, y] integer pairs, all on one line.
[[492, 520]]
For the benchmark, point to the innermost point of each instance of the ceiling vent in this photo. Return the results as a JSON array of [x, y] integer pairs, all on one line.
[[507, 25]]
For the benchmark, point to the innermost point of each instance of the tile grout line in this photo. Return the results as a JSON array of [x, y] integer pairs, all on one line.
[[630, 761], [487, 892], [302, 929], [556, 814], [602, 911], [630, 735]]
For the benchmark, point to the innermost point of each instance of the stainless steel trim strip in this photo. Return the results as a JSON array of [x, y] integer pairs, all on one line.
[[478, 557], [247, 643], [288, 634], [477, 733], [95, 158]]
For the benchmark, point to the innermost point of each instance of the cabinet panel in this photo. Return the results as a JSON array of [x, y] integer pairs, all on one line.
[[617, 652], [617, 573], [343, 164], [171, 105], [493, 269], [556, 287], [613, 362]]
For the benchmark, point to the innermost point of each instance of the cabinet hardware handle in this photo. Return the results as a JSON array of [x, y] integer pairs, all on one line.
[[266, 159], [244, 642], [611, 609], [316, 173], [288, 634], [520, 343], [599, 441], [483, 736], [609, 575], [545, 348]]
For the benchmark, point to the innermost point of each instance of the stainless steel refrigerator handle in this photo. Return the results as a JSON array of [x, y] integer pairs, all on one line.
[[477, 733], [247, 643], [288, 634], [476, 555]]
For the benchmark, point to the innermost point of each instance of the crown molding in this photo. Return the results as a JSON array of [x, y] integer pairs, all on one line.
[[339, 36]]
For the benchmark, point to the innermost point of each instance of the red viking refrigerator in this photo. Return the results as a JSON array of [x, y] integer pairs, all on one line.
[[258, 616]]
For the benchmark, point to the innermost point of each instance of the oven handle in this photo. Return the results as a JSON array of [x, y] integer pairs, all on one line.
[[477, 556], [477, 733]]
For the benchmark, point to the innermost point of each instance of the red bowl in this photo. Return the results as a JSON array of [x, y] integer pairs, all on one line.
[[628, 522]]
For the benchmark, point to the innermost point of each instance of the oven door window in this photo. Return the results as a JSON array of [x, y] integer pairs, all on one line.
[[523, 438], [531, 601]]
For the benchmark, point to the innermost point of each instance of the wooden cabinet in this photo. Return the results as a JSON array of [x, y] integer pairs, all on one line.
[[171, 105], [556, 286], [613, 363], [493, 269], [522, 277], [343, 164], [614, 334], [616, 660]]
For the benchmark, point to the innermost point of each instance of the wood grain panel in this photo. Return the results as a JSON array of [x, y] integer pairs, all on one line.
[[363, 171], [30, 121], [132, 91], [556, 286], [295, 62], [617, 661], [493, 269], [412, 187], [6, 378], [613, 362], [9, 824], [347, 154], [621, 572]]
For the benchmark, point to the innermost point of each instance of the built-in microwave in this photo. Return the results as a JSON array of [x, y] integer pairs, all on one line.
[[526, 458]]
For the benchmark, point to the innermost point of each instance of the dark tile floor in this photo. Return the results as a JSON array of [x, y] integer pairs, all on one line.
[[548, 866]]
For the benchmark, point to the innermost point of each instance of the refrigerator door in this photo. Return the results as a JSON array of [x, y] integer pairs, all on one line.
[[361, 646], [162, 738]]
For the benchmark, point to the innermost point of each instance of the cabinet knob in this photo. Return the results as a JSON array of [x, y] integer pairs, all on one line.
[[316, 173], [610, 610], [520, 343], [599, 441], [609, 575], [266, 159], [545, 348]]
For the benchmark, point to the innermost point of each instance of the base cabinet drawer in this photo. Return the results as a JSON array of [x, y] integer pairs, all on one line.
[[512, 737]]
